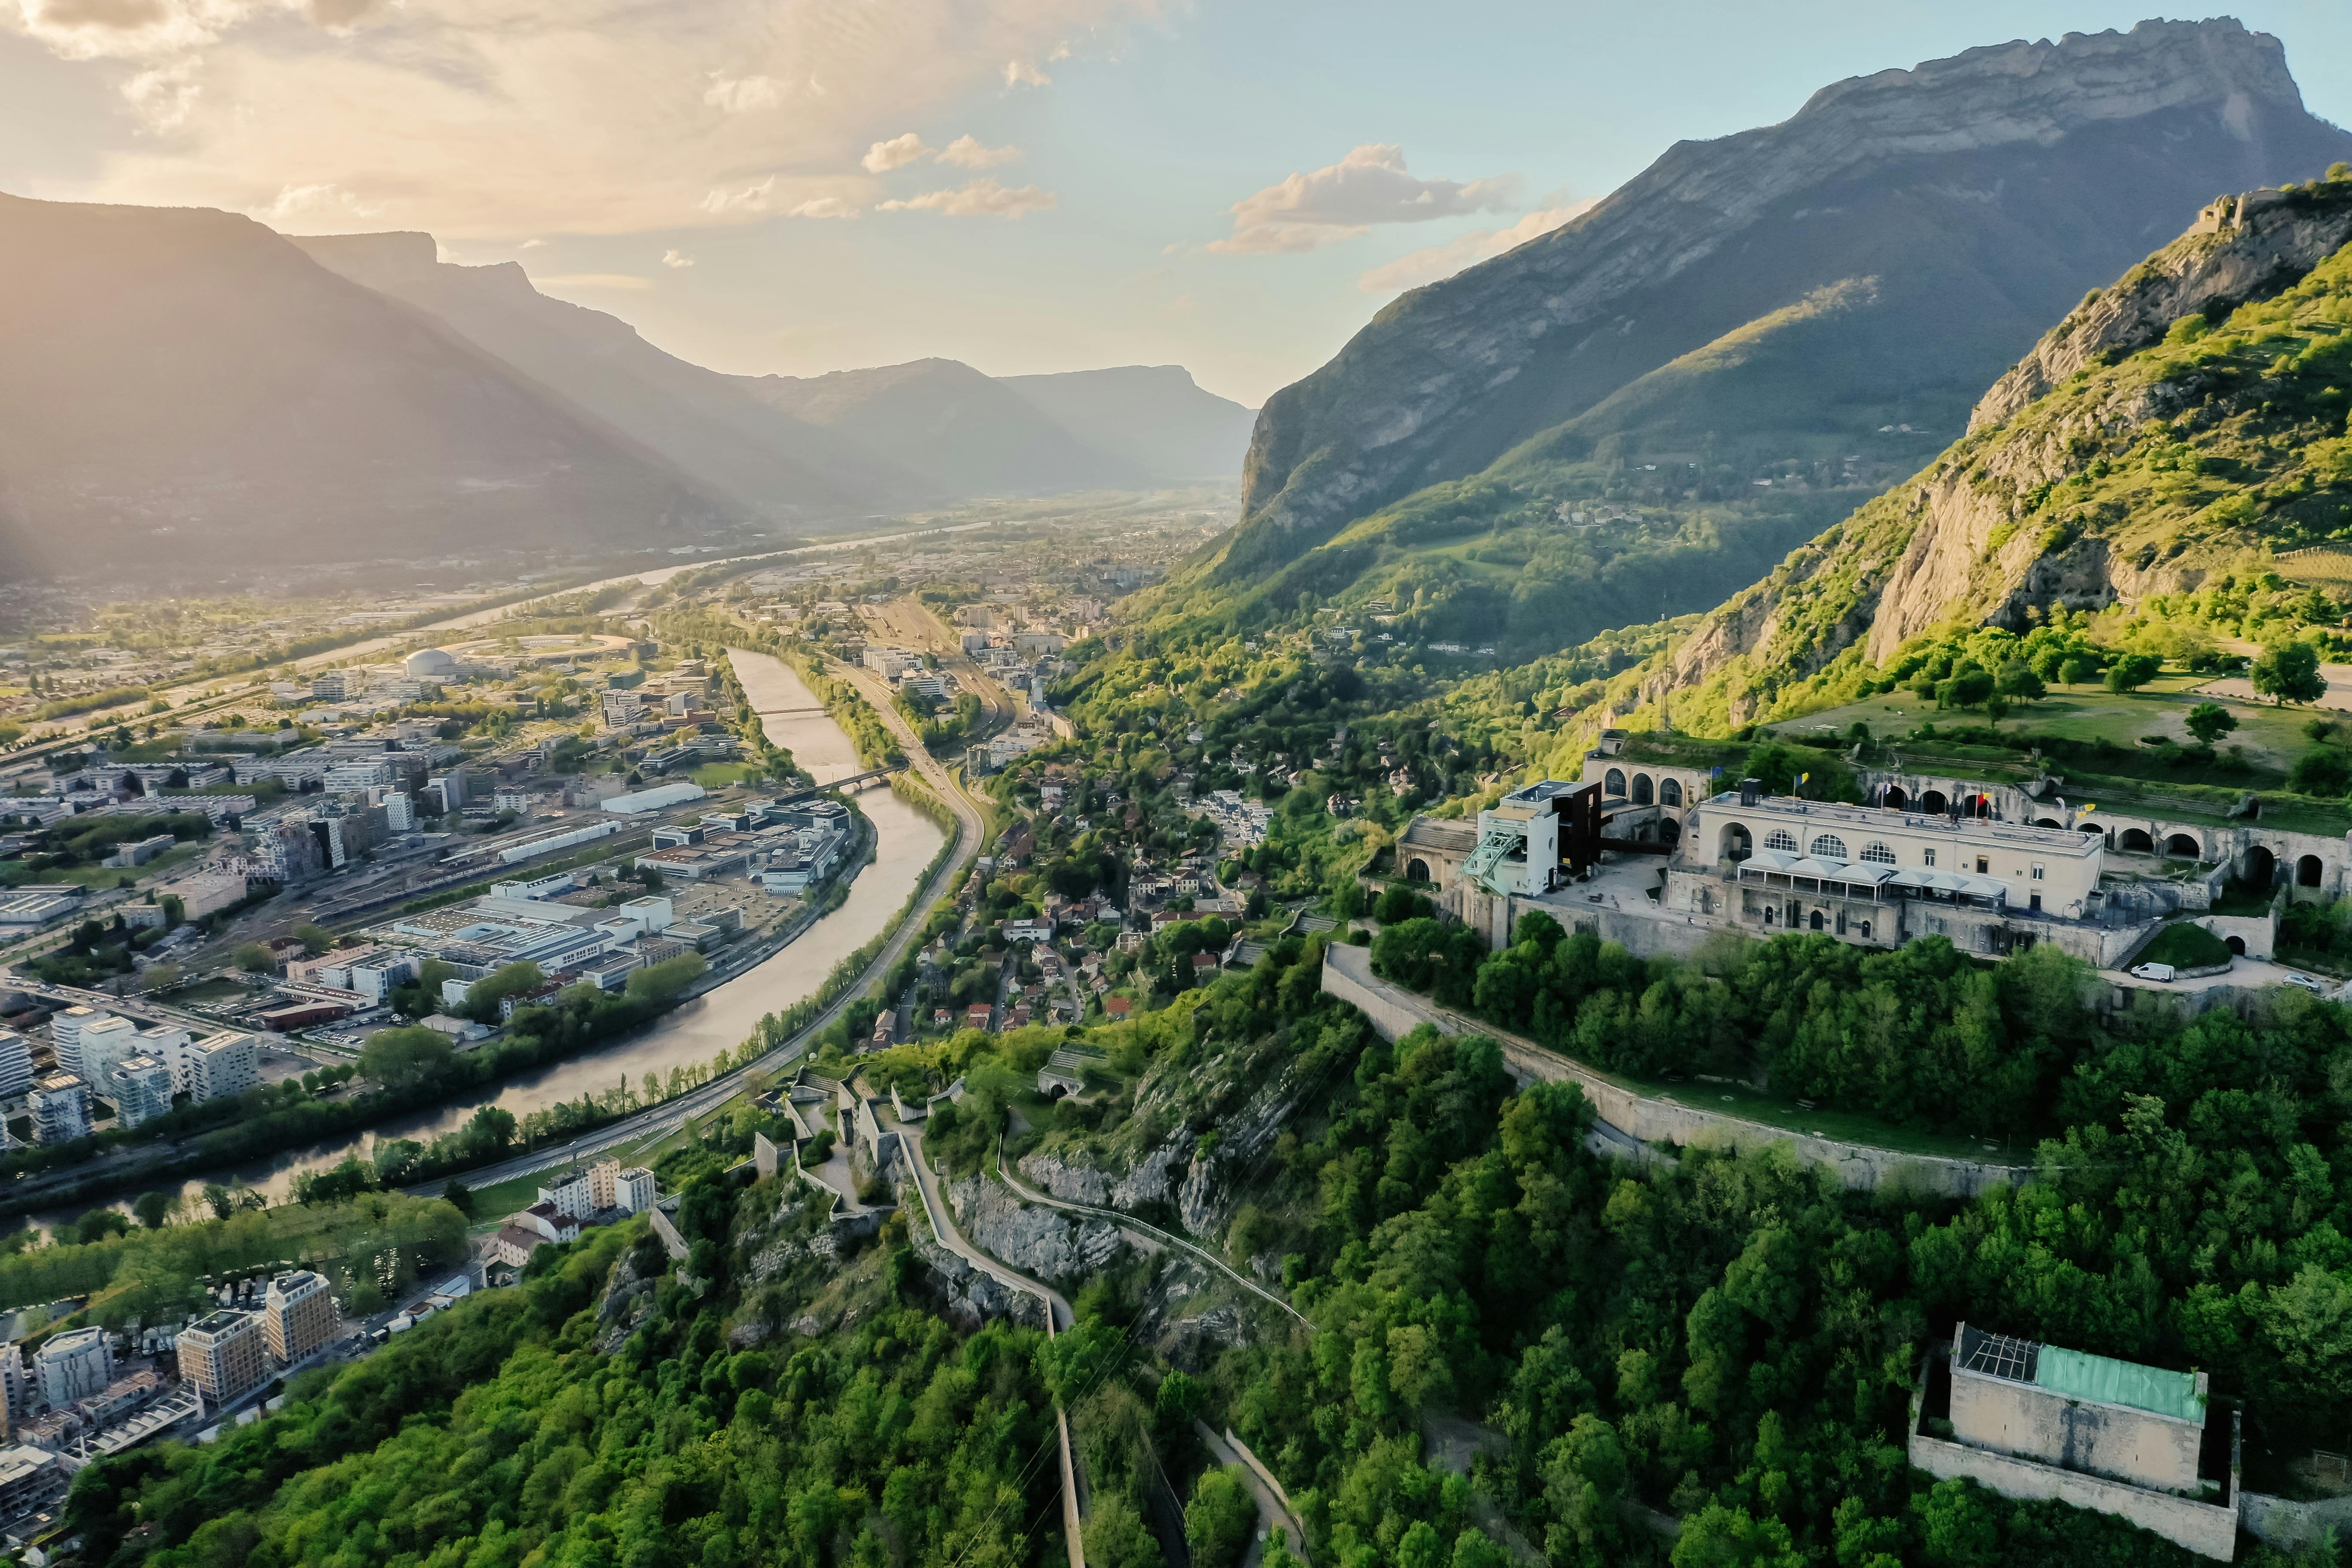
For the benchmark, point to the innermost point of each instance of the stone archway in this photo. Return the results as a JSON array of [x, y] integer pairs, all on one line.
[[2308, 871], [1816, 921], [1933, 803], [1416, 870], [1894, 799], [1643, 792], [2181, 846], [2048, 822], [2135, 841], [2237, 945], [1733, 843], [2258, 867]]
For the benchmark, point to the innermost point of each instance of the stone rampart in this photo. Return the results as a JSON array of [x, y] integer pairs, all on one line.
[[1395, 1012]]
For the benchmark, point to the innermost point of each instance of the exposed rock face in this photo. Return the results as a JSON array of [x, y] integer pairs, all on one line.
[[2242, 248], [969, 1296], [1147, 1182], [1934, 549], [1042, 1243], [1986, 192]]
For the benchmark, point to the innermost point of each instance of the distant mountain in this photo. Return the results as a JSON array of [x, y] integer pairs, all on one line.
[[1745, 341], [182, 386], [959, 429], [747, 449], [1152, 416]]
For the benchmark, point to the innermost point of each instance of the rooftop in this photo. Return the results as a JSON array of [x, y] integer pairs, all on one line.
[[215, 1324], [2077, 1375], [1822, 814]]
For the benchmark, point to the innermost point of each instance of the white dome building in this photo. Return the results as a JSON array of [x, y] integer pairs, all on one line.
[[428, 664]]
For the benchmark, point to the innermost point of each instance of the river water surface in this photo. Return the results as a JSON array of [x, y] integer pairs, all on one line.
[[905, 841]]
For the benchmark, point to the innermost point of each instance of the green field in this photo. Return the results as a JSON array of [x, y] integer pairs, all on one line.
[[2271, 737]]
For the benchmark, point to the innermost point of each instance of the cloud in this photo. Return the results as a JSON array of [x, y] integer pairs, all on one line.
[[896, 153], [825, 207], [315, 205], [677, 258], [966, 152], [983, 198], [532, 244], [754, 198], [1464, 250], [594, 281], [743, 95], [1343, 200], [1020, 73], [494, 119]]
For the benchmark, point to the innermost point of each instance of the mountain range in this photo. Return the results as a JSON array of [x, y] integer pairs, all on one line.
[[1635, 414], [352, 397]]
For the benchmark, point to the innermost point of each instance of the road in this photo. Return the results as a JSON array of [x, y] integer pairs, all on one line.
[[672, 1114], [944, 1228]]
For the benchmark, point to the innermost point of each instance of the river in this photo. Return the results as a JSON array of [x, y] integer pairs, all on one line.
[[906, 842]]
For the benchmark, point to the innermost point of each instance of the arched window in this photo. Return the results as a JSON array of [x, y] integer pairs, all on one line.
[[1613, 785], [1877, 854], [1640, 789], [2308, 871], [1830, 846], [1670, 792], [1416, 870], [1781, 838], [1865, 930], [1817, 919]]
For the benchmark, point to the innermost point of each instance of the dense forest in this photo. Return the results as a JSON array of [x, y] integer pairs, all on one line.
[[1720, 1345]]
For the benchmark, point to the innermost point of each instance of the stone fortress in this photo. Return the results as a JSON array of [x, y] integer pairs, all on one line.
[[1658, 854]]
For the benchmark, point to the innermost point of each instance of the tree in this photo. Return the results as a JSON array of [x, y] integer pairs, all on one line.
[[2289, 672], [2132, 671], [2321, 771], [152, 1209], [254, 959], [457, 1196], [397, 1056], [315, 939], [2209, 722], [219, 1200], [1221, 1518], [2019, 683], [483, 996]]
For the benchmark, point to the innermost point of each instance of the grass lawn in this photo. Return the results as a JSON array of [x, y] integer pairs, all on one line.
[[99, 877], [2272, 737], [718, 775]]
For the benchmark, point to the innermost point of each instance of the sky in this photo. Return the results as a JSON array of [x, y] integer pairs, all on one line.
[[794, 186]]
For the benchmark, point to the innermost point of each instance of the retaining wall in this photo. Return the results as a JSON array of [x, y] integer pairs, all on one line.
[[1395, 1012], [2210, 1530]]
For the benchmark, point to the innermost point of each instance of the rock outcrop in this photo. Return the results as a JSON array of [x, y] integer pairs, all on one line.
[[1043, 1242], [1985, 191]]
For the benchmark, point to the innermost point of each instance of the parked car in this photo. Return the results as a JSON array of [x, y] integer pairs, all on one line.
[[2305, 982], [2163, 971]]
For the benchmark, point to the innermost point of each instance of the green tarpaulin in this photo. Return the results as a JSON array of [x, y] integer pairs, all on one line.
[[2079, 1376]]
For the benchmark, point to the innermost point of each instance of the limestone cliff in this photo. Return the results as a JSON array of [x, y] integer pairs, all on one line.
[[2188, 413], [1984, 192]]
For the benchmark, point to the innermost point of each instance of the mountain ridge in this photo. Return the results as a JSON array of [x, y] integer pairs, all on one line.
[[2028, 171]]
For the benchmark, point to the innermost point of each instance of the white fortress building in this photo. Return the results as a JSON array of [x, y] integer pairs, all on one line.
[[1658, 856]]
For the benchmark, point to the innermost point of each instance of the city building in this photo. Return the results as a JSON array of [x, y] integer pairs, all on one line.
[[634, 1190], [138, 852], [141, 1088], [574, 1196], [30, 1478], [222, 1353], [2028, 1420], [299, 1315], [16, 1387], [216, 1067], [605, 1184], [657, 798], [15, 1063], [60, 1105], [73, 1365]]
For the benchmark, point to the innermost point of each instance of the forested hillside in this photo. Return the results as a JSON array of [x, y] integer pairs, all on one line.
[[1700, 1358]]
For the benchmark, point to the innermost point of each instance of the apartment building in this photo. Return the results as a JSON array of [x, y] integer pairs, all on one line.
[[60, 1106], [299, 1315], [222, 1353]]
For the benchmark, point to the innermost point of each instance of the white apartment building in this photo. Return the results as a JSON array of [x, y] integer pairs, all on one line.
[[66, 1030], [141, 1088], [634, 1190], [60, 1106], [355, 775], [73, 1365], [574, 1196], [222, 1066]]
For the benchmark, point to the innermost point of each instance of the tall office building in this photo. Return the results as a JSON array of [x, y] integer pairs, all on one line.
[[73, 1365], [16, 1063], [299, 1315], [222, 1353]]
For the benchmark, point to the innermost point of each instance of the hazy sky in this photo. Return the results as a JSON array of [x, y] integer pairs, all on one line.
[[799, 186]]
